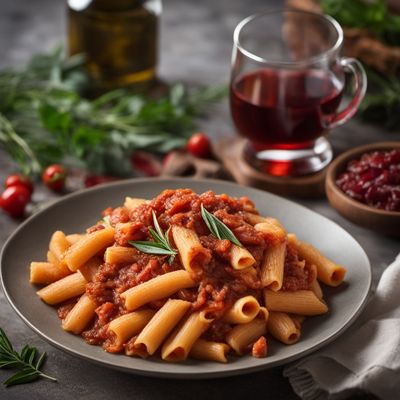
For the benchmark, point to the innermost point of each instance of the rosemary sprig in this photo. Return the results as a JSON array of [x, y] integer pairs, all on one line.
[[45, 119], [24, 361], [218, 228], [161, 244]]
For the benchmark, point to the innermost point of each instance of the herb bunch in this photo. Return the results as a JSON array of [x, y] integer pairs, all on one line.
[[381, 104], [366, 14], [44, 118], [27, 362]]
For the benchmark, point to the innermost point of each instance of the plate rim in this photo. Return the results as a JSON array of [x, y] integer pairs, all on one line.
[[242, 370]]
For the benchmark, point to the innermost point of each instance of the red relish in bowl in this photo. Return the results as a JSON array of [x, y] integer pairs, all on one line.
[[374, 179]]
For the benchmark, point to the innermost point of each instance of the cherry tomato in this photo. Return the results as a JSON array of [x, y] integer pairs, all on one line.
[[54, 177], [199, 145], [14, 199], [14, 180]]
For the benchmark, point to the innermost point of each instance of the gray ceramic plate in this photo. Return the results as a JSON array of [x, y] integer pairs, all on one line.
[[76, 212]]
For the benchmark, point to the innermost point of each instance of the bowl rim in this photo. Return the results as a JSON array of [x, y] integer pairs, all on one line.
[[345, 157]]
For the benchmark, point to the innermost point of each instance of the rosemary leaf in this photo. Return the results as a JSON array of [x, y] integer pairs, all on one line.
[[218, 228], [24, 361], [151, 247], [160, 245]]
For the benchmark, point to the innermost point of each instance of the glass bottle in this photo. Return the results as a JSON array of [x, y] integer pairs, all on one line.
[[119, 38]]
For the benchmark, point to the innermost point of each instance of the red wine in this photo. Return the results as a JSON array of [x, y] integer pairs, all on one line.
[[284, 109]]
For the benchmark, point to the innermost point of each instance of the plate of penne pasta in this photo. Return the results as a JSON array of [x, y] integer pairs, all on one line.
[[182, 278]]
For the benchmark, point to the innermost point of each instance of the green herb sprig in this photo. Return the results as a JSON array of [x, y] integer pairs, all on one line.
[[371, 15], [27, 362], [218, 228], [161, 244], [45, 119]]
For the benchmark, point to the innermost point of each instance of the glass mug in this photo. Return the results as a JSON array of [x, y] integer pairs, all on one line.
[[287, 82]]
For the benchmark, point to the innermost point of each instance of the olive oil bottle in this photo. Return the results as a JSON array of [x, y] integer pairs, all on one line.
[[119, 39]]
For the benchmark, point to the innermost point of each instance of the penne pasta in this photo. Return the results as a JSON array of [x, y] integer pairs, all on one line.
[[74, 237], [52, 259], [243, 310], [45, 272], [59, 244], [182, 291], [128, 325], [272, 266], [272, 231], [120, 255], [88, 247], [156, 288], [90, 268], [64, 289], [303, 302], [282, 327], [330, 273], [162, 323], [240, 258], [191, 251], [181, 341], [316, 288], [241, 336], [207, 350], [80, 315]]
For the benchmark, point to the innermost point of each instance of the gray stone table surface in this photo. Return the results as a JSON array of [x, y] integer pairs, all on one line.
[[196, 39]]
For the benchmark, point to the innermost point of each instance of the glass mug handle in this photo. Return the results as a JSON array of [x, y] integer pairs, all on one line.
[[354, 67]]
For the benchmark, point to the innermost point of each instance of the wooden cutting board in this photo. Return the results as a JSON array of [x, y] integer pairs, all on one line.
[[230, 164]]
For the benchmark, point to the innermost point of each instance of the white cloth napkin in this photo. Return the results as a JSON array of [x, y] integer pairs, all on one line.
[[366, 357]]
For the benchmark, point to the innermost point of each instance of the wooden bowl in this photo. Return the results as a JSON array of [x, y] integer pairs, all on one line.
[[387, 222]]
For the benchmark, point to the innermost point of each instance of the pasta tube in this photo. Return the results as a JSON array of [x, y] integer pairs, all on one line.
[[241, 336], [128, 325], [59, 244], [240, 258], [160, 326], [273, 266], [157, 288], [45, 272], [328, 272], [80, 315], [283, 328], [191, 251], [73, 238], [243, 310], [303, 302], [64, 289], [207, 350], [87, 247], [179, 344], [90, 268], [120, 255]]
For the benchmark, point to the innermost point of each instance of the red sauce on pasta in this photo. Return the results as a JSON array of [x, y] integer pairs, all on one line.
[[219, 284]]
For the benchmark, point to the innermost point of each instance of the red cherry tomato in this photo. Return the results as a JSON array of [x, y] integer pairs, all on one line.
[[14, 199], [199, 145], [14, 180], [54, 177]]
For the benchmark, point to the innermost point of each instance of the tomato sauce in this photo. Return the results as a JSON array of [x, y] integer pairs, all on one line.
[[219, 284]]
